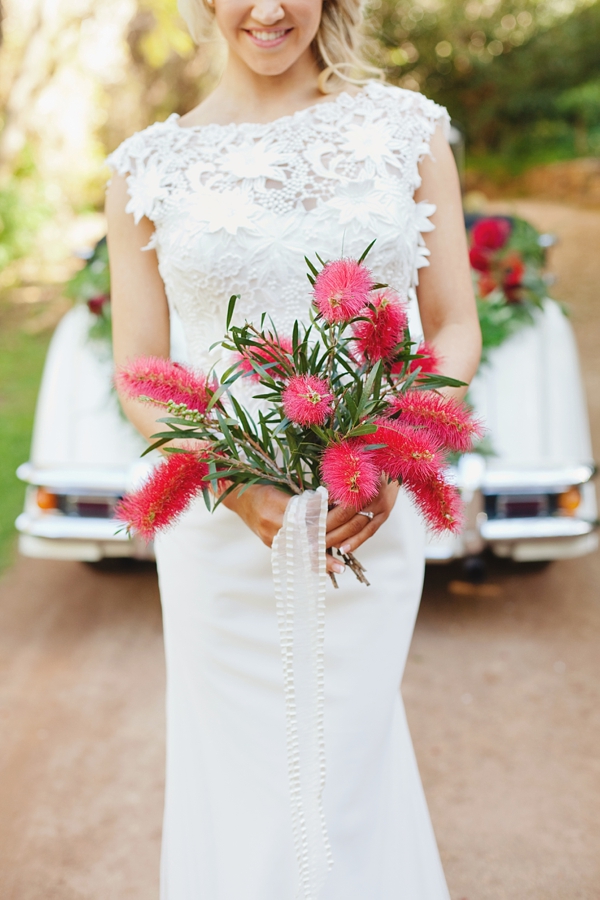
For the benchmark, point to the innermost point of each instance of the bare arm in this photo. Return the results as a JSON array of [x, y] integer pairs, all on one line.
[[445, 292], [140, 311]]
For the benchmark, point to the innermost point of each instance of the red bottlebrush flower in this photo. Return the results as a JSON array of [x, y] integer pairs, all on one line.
[[480, 259], [491, 233], [410, 454], [341, 289], [97, 304], [448, 422], [165, 495], [382, 327], [163, 380], [269, 352], [439, 502], [486, 285], [350, 473], [307, 400], [430, 362]]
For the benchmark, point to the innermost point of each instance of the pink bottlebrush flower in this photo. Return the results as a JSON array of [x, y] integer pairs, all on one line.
[[429, 364], [307, 400], [446, 420], [350, 473], [410, 454], [382, 327], [163, 380], [165, 495], [341, 289], [491, 233], [439, 502], [269, 352]]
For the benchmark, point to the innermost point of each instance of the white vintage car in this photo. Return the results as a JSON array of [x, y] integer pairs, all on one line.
[[532, 499]]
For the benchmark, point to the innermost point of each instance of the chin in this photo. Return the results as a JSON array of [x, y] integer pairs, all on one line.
[[271, 68]]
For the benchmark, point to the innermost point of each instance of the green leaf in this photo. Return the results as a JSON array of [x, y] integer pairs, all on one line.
[[312, 268], [216, 396], [231, 309], [227, 434], [366, 252], [156, 445], [366, 428]]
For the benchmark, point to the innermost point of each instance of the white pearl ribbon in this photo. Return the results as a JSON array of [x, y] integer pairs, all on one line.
[[299, 574]]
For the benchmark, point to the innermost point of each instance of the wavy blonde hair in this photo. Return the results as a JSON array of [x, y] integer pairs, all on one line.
[[338, 45]]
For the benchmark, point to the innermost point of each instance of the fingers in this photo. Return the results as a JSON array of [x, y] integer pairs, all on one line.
[[339, 515], [334, 566], [346, 531], [373, 525]]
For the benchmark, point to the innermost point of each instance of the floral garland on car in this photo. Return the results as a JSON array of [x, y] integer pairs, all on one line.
[[507, 260], [91, 285]]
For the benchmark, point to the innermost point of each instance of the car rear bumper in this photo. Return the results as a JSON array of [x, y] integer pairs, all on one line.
[[89, 540]]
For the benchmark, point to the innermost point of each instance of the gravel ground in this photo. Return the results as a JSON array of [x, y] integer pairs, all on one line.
[[502, 690]]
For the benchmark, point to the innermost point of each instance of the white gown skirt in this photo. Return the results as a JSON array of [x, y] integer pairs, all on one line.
[[227, 825]]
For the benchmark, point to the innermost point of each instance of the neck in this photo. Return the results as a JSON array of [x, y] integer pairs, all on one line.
[[247, 95]]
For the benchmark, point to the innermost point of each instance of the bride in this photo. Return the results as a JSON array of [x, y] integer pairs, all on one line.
[[288, 155]]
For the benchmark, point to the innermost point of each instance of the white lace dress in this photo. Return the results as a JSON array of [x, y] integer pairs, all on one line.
[[235, 209]]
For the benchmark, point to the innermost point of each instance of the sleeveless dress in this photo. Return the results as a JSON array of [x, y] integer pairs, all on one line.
[[235, 208]]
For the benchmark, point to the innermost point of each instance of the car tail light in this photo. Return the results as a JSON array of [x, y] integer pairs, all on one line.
[[533, 506], [46, 500], [84, 506], [520, 506], [569, 501]]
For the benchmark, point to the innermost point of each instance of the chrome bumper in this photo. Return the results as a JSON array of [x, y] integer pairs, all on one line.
[[534, 529]]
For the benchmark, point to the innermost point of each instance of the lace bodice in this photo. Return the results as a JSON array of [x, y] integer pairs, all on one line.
[[236, 207]]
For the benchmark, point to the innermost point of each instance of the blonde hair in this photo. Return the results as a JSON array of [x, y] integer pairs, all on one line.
[[337, 46]]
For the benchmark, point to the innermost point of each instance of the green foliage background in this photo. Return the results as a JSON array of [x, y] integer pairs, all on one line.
[[521, 78]]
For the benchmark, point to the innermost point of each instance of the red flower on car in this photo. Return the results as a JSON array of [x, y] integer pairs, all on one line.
[[491, 233], [480, 259], [96, 304], [486, 284]]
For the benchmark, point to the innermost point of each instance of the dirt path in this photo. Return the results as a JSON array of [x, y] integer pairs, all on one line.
[[503, 695]]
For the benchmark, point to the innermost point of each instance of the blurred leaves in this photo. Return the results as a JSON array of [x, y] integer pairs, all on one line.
[[23, 210], [165, 35], [501, 67]]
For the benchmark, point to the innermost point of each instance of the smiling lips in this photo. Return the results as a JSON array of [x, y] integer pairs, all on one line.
[[263, 38]]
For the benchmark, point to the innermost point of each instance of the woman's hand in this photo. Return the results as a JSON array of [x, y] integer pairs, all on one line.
[[262, 508], [347, 529]]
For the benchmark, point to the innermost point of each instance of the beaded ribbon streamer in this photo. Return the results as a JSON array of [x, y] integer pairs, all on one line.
[[299, 575]]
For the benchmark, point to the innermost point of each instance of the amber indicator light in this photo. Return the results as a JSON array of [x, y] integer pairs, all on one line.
[[569, 500], [46, 500]]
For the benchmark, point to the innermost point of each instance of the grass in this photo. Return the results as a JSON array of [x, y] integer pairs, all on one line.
[[21, 361]]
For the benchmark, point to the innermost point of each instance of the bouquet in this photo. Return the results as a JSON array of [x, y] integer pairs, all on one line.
[[344, 401]]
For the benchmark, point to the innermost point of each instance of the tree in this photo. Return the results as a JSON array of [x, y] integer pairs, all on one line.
[[497, 66]]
